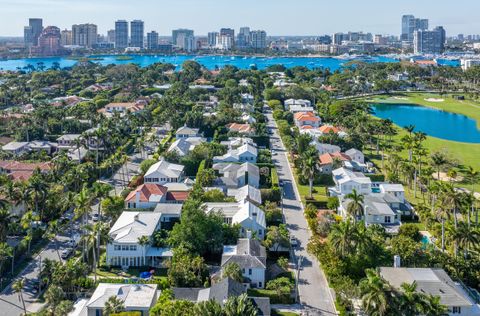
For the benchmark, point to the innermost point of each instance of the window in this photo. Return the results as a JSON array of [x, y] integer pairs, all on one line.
[[387, 219], [259, 284], [457, 310], [249, 271], [125, 247], [133, 247], [117, 248]]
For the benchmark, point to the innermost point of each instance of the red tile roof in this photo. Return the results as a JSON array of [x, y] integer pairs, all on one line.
[[328, 128], [328, 158], [241, 128], [306, 116], [177, 195], [146, 190], [22, 171]]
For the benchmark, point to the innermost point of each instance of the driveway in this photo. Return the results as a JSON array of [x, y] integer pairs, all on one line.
[[314, 292]]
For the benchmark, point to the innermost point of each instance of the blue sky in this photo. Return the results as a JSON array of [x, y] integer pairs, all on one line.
[[277, 17]]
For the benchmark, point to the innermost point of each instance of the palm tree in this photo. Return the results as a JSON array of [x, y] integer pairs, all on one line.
[[91, 240], [355, 206], [143, 241], [208, 308], [472, 175], [433, 307], [410, 302], [309, 166], [5, 220], [26, 223], [239, 306], [113, 306], [465, 237], [438, 160], [51, 233], [343, 236], [39, 189], [6, 252], [83, 202], [17, 287], [54, 296], [376, 294]]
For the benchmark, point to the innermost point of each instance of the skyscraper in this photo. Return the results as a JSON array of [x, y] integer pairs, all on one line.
[[152, 40], [429, 42], [111, 36], [212, 39], [121, 34], [258, 40], [228, 32], [136, 33], [84, 35], [49, 42], [176, 33], [411, 24], [243, 38], [32, 32], [66, 38]]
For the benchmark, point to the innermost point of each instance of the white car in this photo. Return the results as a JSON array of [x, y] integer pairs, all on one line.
[[95, 217]]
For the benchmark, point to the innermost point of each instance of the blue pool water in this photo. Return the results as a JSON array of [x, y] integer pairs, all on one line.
[[210, 62], [433, 122], [426, 240]]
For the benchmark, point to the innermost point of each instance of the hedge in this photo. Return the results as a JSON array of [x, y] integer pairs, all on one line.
[[376, 177], [162, 282], [201, 167], [127, 314], [274, 176], [274, 298]]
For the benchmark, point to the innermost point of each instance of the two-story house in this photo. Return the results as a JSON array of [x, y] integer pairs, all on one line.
[[347, 180], [245, 153], [251, 257], [164, 172], [124, 248], [237, 175], [306, 119], [186, 132]]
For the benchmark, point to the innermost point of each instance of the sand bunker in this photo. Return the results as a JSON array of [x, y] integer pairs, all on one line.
[[400, 98], [434, 100]]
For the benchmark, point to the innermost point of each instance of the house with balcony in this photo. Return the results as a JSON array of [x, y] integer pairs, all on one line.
[[16, 148], [251, 257], [68, 141], [233, 175], [124, 248], [147, 195], [347, 180], [306, 119], [186, 132]]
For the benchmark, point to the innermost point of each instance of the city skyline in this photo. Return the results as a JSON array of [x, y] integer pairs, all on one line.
[[309, 17]]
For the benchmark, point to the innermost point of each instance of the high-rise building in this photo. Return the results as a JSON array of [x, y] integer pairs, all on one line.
[[84, 35], [49, 42], [152, 40], [32, 32], [228, 32], [212, 39], [183, 32], [111, 36], [258, 40], [121, 34], [243, 38], [66, 37], [338, 38], [411, 24], [429, 42], [224, 42], [136, 33]]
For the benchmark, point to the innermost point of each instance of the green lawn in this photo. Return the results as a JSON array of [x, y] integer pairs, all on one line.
[[280, 313], [466, 153], [466, 107]]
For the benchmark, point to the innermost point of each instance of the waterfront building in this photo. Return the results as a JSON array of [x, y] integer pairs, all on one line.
[[32, 32], [243, 38], [228, 32], [468, 63], [184, 39], [84, 35], [136, 33], [258, 40], [224, 42], [429, 42], [49, 42], [410, 24], [152, 40], [66, 37], [180, 32], [111, 36], [212, 39], [121, 34]]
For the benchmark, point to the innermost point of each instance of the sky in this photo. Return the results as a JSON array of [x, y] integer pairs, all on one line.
[[277, 17]]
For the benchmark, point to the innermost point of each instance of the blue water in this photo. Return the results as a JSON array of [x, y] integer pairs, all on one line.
[[210, 62], [433, 122], [426, 240]]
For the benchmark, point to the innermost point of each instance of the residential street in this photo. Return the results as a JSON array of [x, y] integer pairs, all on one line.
[[10, 303], [313, 288]]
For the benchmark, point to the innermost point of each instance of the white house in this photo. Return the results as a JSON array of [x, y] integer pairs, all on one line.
[[235, 142], [436, 282], [146, 195], [347, 180], [235, 175], [164, 172], [185, 132], [42, 145], [394, 189], [246, 214], [246, 193], [251, 257], [183, 146], [124, 248], [306, 119], [68, 141], [16, 148], [134, 297], [326, 148], [356, 155], [244, 153], [297, 103], [247, 98]]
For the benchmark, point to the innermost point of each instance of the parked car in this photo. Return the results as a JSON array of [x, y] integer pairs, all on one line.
[[66, 253], [293, 242], [73, 242], [95, 217]]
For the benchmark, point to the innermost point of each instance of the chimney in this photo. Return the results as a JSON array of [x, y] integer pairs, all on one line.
[[396, 261]]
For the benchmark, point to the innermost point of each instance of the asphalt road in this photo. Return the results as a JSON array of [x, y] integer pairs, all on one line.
[[314, 292]]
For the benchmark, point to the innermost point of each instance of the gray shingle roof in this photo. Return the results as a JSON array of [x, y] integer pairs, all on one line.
[[248, 253]]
